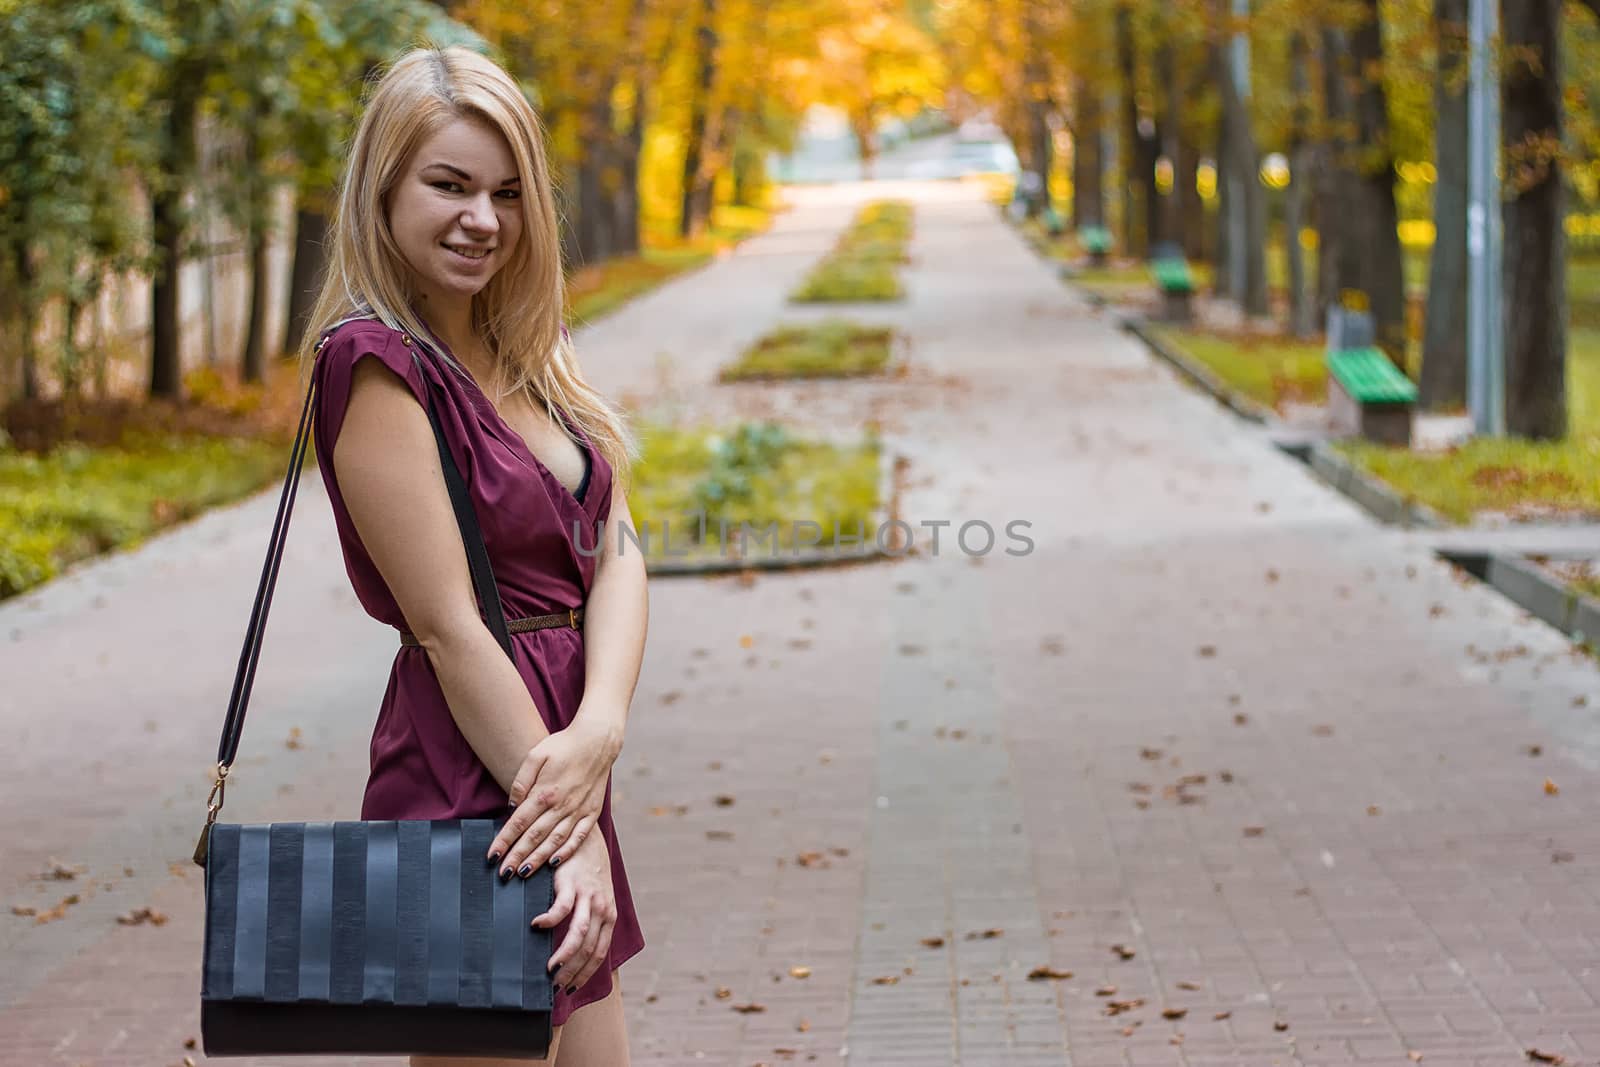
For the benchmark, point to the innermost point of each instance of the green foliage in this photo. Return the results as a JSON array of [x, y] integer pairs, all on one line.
[[756, 473], [831, 349], [77, 501], [97, 99], [73, 90], [736, 461]]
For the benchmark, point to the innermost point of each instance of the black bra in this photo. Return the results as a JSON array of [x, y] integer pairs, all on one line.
[[583, 483]]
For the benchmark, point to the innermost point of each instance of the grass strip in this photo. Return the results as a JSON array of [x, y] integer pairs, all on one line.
[[834, 348], [1516, 477], [78, 501], [864, 264], [758, 474], [1269, 370]]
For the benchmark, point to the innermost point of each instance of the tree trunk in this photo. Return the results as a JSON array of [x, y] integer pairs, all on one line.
[[1154, 218], [1191, 208], [1088, 189], [624, 201], [305, 276], [1242, 161], [625, 205], [255, 341], [1301, 323], [1222, 265], [722, 130], [27, 321], [1339, 265], [71, 362], [1171, 135], [166, 373], [593, 222], [866, 138], [705, 37], [1535, 237], [1042, 153], [1133, 183], [1444, 341], [1382, 268], [166, 236]]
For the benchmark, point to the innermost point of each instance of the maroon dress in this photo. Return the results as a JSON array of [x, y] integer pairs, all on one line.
[[422, 766]]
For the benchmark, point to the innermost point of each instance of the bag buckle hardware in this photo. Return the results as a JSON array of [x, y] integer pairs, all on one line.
[[214, 802], [572, 618]]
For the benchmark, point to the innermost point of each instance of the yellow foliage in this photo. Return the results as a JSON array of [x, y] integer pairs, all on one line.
[[1417, 233]]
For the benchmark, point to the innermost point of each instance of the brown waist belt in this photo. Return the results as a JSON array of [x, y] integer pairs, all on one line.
[[572, 617]]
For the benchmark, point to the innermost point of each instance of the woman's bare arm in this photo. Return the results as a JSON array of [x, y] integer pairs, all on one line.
[[387, 465], [567, 774], [614, 624]]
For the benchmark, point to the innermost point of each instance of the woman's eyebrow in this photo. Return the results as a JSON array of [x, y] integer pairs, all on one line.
[[464, 176]]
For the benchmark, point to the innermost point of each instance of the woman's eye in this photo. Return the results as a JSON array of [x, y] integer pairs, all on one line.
[[510, 194], [444, 185]]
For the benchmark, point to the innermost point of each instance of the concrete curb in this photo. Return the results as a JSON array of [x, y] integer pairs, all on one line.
[[1094, 299], [1239, 404], [1527, 585], [889, 466], [1374, 496]]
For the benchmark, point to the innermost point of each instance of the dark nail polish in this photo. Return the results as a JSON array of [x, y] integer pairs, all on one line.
[[525, 870], [555, 863], [571, 989], [494, 857], [505, 872]]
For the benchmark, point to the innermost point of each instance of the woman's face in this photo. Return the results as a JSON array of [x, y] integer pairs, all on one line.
[[455, 212]]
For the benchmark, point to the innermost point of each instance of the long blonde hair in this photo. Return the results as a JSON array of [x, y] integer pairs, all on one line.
[[518, 315]]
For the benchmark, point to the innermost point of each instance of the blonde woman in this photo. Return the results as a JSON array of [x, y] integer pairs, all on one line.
[[445, 269]]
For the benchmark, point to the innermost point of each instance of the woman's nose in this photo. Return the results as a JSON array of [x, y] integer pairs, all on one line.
[[480, 216]]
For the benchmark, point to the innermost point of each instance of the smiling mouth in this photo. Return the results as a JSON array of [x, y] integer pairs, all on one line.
[[469, 253]]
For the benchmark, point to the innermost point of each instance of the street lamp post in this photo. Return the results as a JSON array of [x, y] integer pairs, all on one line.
[[1485, 284]]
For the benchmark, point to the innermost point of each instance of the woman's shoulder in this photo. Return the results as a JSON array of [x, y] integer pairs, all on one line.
[[342, 348], [371, 335]]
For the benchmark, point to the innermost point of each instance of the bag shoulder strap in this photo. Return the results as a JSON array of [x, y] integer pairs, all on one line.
[[471, 536]]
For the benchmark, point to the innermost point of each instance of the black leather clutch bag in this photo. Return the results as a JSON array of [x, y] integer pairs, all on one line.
[[367, 938]]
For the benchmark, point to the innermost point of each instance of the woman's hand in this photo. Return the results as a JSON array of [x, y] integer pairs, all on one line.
[[558, 793], [583, 891]]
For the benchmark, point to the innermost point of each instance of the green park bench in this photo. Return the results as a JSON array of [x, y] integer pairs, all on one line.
[[1096, 241], [1370, 396], [1176, 282]]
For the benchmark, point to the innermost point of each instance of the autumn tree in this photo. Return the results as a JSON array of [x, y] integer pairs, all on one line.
[[875, 63], [71, 104], [1535, 233]]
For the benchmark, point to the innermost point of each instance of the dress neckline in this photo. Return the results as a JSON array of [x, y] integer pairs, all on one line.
[[511, 438]]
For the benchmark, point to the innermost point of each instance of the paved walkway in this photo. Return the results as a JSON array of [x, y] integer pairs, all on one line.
[[1217, 741]]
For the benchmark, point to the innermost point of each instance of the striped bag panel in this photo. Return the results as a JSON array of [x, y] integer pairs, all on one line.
[[404, 913]]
